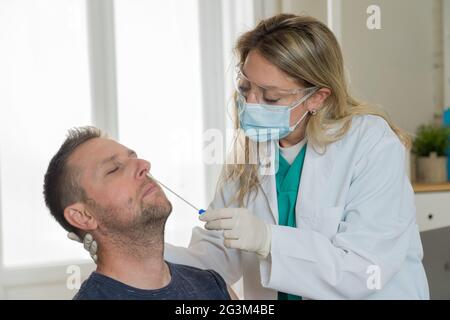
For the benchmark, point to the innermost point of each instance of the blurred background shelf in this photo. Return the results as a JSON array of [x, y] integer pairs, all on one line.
[[431, 187]]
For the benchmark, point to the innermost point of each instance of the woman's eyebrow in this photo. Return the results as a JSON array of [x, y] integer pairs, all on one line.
[[264, 87]]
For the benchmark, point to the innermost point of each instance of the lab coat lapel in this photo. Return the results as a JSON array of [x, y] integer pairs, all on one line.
[[314, 182], [267, 173]]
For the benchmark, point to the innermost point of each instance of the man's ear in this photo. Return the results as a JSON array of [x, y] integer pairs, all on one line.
[[79, 217], [315, 102]]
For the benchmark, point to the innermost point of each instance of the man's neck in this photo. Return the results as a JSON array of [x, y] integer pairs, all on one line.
[[135, 265]]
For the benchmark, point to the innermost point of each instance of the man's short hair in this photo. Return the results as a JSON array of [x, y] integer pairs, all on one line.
[[61, 182]]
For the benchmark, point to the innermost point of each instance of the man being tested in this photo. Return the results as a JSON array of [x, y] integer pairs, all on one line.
[[96, 185]]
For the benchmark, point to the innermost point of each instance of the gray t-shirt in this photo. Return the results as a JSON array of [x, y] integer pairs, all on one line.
[[187, 283]]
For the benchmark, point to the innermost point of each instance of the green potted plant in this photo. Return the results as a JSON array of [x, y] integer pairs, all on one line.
[[429, 146]]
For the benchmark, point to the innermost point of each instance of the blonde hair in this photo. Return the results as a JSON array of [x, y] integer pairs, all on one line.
[[306, 50]]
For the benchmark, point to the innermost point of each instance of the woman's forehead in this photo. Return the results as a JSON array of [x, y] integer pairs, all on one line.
[[262, 72]]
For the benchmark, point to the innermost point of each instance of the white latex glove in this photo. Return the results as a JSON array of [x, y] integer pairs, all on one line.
[[88, 242], [242, 229]]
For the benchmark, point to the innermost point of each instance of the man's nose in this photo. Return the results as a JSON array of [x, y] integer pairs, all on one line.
[[143, 169]]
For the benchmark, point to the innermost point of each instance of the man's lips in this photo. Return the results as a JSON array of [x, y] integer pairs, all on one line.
[[149, 188]]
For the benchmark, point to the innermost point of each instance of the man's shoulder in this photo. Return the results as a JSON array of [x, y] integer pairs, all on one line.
[[87, 290], [95, 288], [187, 283], [199, 277], [189, 271]]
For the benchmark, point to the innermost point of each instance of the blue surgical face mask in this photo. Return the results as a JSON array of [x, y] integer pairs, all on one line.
[[262, 122]]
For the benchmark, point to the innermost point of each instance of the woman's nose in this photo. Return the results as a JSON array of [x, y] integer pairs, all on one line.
[[252, 97]]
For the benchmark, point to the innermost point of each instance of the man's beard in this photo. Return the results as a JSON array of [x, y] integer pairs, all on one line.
[[145, 229], [154, 217]]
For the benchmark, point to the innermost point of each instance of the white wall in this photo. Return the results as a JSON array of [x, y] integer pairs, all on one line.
[[315, 8], [44, 282], [391, 67]]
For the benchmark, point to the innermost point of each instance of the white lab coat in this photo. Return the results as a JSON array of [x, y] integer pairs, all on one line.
[[355, 209]]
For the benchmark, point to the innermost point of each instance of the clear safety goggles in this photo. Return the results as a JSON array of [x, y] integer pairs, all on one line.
[[269, 96]]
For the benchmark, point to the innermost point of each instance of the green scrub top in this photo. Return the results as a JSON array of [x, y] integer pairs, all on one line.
[[288, 181]]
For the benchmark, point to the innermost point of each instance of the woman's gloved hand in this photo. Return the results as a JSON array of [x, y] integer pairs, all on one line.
[[88, 242], [242, 229]]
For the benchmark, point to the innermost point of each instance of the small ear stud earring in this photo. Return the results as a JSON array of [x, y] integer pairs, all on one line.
[[313, 112]]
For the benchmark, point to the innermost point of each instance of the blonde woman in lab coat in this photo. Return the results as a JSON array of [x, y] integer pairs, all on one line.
[[336, 219]]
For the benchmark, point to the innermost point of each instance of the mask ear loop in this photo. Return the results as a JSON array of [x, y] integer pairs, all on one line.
[[314, 112]]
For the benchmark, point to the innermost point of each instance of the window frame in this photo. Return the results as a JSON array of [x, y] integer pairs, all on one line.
[[217, 31], [103, 86], [102, 70]]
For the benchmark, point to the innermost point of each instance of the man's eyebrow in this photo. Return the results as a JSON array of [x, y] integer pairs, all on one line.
[[132, 153], [115, 156]]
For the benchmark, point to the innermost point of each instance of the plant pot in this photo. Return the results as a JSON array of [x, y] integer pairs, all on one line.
[[432, 169]]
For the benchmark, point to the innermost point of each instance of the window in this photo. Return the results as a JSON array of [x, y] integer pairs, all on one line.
[[159, 99], [44, 90]]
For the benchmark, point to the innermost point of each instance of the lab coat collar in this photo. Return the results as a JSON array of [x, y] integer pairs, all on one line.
[[314, 181]]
